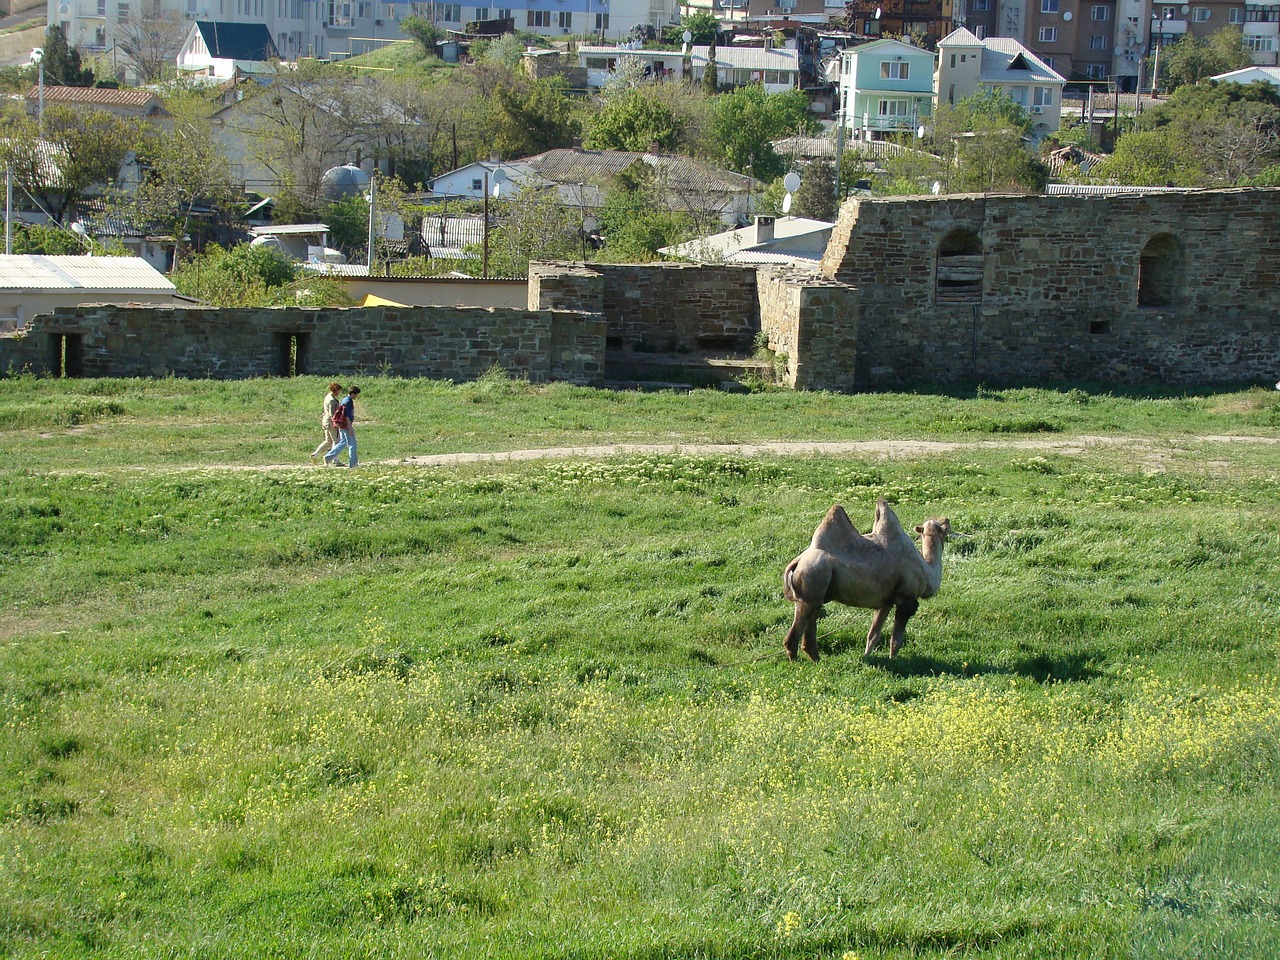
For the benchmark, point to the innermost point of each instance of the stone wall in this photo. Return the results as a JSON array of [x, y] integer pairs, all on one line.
[[456, 343], [1127, 288], [814, 321], [657, 307]]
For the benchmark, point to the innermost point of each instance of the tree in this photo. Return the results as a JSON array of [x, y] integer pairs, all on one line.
[[816, 197], [532, 118], [1192, 59], [702, 24], [636, 220], [151, 39], [424, 31], [82, 151], [506, 50], [533, 226], [745, 121], [61, 62], [633, 121], [1206, 135], [711, 74], [244, 276]]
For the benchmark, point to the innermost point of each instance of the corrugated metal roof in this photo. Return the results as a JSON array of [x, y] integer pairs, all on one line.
[[114, 274], [237, 41], [572, 166], [97, 96], [738, 58], [1000, 59], [1104, 189]]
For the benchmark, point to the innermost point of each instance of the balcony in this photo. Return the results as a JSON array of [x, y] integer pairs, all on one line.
[[1167, 30], [340, 24]]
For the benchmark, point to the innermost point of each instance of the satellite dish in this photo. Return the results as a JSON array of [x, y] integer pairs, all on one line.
[[1186, 8], [936, 188], [497, 189], [78, 227], [791, 181], [687, 37], [786, 203], [274, 244], [499, 176], [1066, 15], [590, 224], [338, 183], [920, 132], [877, 13]]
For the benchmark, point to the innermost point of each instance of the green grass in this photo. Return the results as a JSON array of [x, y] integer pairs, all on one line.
[[540, 709]]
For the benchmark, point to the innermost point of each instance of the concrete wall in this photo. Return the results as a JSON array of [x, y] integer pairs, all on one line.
[[1059, 287], [437, 342], [439, 291]]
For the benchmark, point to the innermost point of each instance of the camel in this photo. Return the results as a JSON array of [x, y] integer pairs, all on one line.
[[878, 571]]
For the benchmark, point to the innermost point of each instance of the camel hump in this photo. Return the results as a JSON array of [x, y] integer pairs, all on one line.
[[835, 530]]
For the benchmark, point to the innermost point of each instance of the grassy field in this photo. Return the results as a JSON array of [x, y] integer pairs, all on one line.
[[540, 709]]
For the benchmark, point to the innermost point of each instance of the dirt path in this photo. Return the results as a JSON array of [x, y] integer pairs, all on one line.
[[875, 448]]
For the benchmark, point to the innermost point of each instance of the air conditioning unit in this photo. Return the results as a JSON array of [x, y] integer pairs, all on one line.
[[377, 23], [1037, 109]]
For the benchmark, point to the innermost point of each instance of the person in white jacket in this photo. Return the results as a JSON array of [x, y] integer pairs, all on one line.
[[330, 440]]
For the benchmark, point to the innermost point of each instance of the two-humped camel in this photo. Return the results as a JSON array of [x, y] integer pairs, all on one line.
[[879, 571]]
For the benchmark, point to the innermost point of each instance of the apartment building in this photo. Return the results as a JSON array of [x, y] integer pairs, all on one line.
[[328, 29]]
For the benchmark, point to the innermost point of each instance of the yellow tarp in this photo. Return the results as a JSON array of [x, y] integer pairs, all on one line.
[[374, 301]]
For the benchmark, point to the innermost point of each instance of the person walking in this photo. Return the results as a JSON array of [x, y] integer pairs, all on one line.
[[344, 418], [331, 401]]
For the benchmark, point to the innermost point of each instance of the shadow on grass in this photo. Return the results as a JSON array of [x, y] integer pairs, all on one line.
[[1042, 668]]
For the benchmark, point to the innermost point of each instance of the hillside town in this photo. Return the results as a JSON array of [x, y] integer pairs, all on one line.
[[250, 154]]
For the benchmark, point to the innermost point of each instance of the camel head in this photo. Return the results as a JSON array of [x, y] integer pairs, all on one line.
[[935, 528]]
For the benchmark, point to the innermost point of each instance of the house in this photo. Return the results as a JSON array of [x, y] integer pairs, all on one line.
[[967, 65], [32, 284], [1249, 75], [778, 69], [304, 242], [107, 227], [216, 48], [886, 87], [581, 178], [784, 241], [134, 104]]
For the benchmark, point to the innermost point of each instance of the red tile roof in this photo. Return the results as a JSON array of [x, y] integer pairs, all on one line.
[[98, 96]]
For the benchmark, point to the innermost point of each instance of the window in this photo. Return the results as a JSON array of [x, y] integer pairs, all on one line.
[[1200, 14], [1168, 13], [1048, 34], [1235, 15], [477, 184], [894, 70], [980, 31], [1048, 6], [981, 6], [450, 12], [959, 268], [566, 20], [1161, 272], [363, 10], [1048, 62], [482, 13], [122, 11], [1042, 97], [1100, 12], [102, 7], [1098, 41], [538, 18], [894, 108], [1260, 44], [953, 61], [1095, 71], [504, 14], [602, 21], [871, 28]]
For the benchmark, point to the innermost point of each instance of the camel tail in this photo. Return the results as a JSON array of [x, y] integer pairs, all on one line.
[[788, 584]]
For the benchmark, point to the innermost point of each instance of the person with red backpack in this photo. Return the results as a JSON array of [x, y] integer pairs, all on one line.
[[344, 420]]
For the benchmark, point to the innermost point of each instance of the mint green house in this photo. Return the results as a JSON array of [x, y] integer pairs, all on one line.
[[885, 87]]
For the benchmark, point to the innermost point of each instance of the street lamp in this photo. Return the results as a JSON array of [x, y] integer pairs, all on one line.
[[37, 57]]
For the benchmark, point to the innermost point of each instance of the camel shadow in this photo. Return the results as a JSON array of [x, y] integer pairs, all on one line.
[[1042, 668]]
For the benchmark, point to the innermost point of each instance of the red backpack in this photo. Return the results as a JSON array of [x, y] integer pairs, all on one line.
[[340, 421]]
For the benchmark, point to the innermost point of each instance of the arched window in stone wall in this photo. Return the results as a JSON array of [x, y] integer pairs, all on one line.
[[960, 268], [1162, 272]]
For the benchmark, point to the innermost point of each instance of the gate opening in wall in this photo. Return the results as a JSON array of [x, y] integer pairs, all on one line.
[[291, 354], [66, 354]]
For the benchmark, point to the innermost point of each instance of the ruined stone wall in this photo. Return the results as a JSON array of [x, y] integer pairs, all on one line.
[[814, 321], [456, 343], [1130, 288], [661, 307]]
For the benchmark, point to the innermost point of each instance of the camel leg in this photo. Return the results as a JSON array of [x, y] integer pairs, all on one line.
[[809, 642], [804, 623], [873, 635], [905, 608]]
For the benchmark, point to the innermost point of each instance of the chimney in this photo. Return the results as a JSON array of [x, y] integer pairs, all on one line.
[[654, 149], [764, 229], [495, 157]]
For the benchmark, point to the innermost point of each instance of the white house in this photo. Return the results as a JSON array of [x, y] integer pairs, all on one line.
[[1249, 75], [784, 241], [31, 284], [778, 69], [224, 50], [967, 65]]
